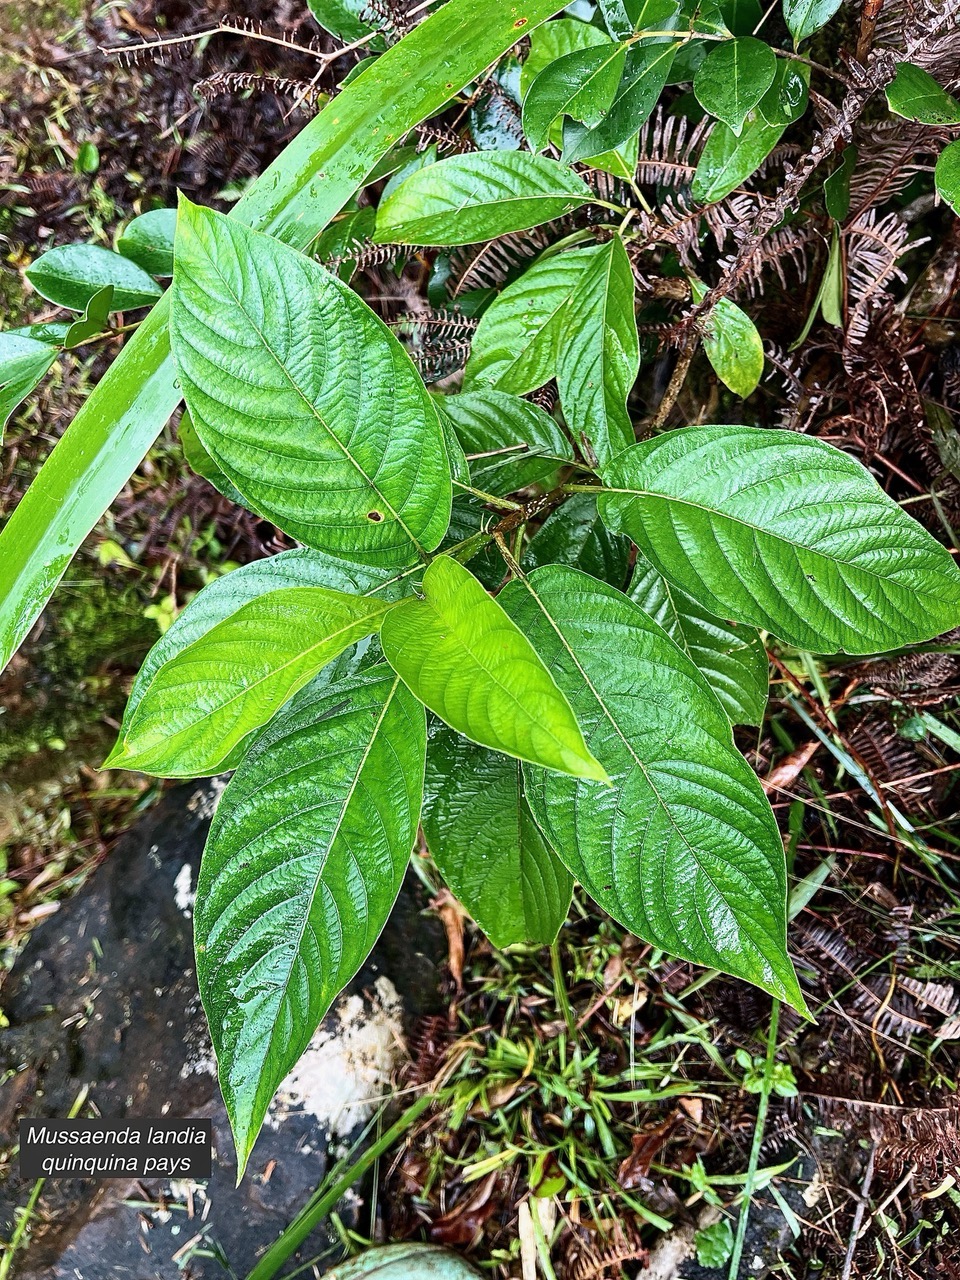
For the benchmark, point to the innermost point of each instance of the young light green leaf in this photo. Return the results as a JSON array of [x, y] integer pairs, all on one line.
[[479, 196], [727, 160], [488, 848], [148, 241], [684, 849], [23, 363], [354, 461], [71, 274], [784, 532], [914, 94], [645, 74], [512, 443], [733, 78], [575, 535], [946, 176], [304, 861], [222, 598], [207, 699], [804, 17], [836, 188], [730, 655], [463, 657], [580, 84], [732, 344], [570, 316]]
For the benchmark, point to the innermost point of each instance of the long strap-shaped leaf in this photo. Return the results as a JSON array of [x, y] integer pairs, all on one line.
[[293, 200]]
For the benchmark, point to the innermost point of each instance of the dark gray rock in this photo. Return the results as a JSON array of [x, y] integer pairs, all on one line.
[[104, 998]]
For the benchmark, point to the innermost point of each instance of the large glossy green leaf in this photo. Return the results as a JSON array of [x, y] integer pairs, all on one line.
[[645, 74], [208, 698], [683, 849], [71, 274], [804, 17], [479, 196], [304, 860], [294, 199], [223, 597], [731, 655], [353, 460], [732, 344], [571, 316], [511, 443], [786, 99], [23, 363], [488, 848], [462, 656], [914, 94], [580, 84], [785, 532], [348, 20], [575, 535], [734, 77]]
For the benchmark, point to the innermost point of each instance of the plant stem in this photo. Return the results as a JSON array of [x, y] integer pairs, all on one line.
[[765, 1090]]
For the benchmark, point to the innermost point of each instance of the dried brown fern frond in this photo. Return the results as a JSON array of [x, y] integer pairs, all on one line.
[[791, 248], [669, 149], [488, 265], [928, 1137], [305, 93], [445, 140], [890, 154], [604, 1259], [873, 249], [924, 32], [439, 343]]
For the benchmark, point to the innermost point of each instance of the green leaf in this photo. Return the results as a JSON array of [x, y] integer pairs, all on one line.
[[575, 535], [461, 655], [786, 99], [52, 332], [727, 160], [785, 532], [599, 354], [148, 241], [555, 40], [731, 656], [23, 363], [581, 84], [571, 315], [804, 17], [71, 274], [684, 849], [200, 461], [733, 78], [340, 244], [354, 461], [645, 74], [304, 861], [714, 1244], [94, 319], [348, 20], [310, 181], [224, 597], [741, 16], [488, 848], [523, 444], [732, 344], [479, 196], [836, 188], [915, 95], [209, 697], [946, 176]]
